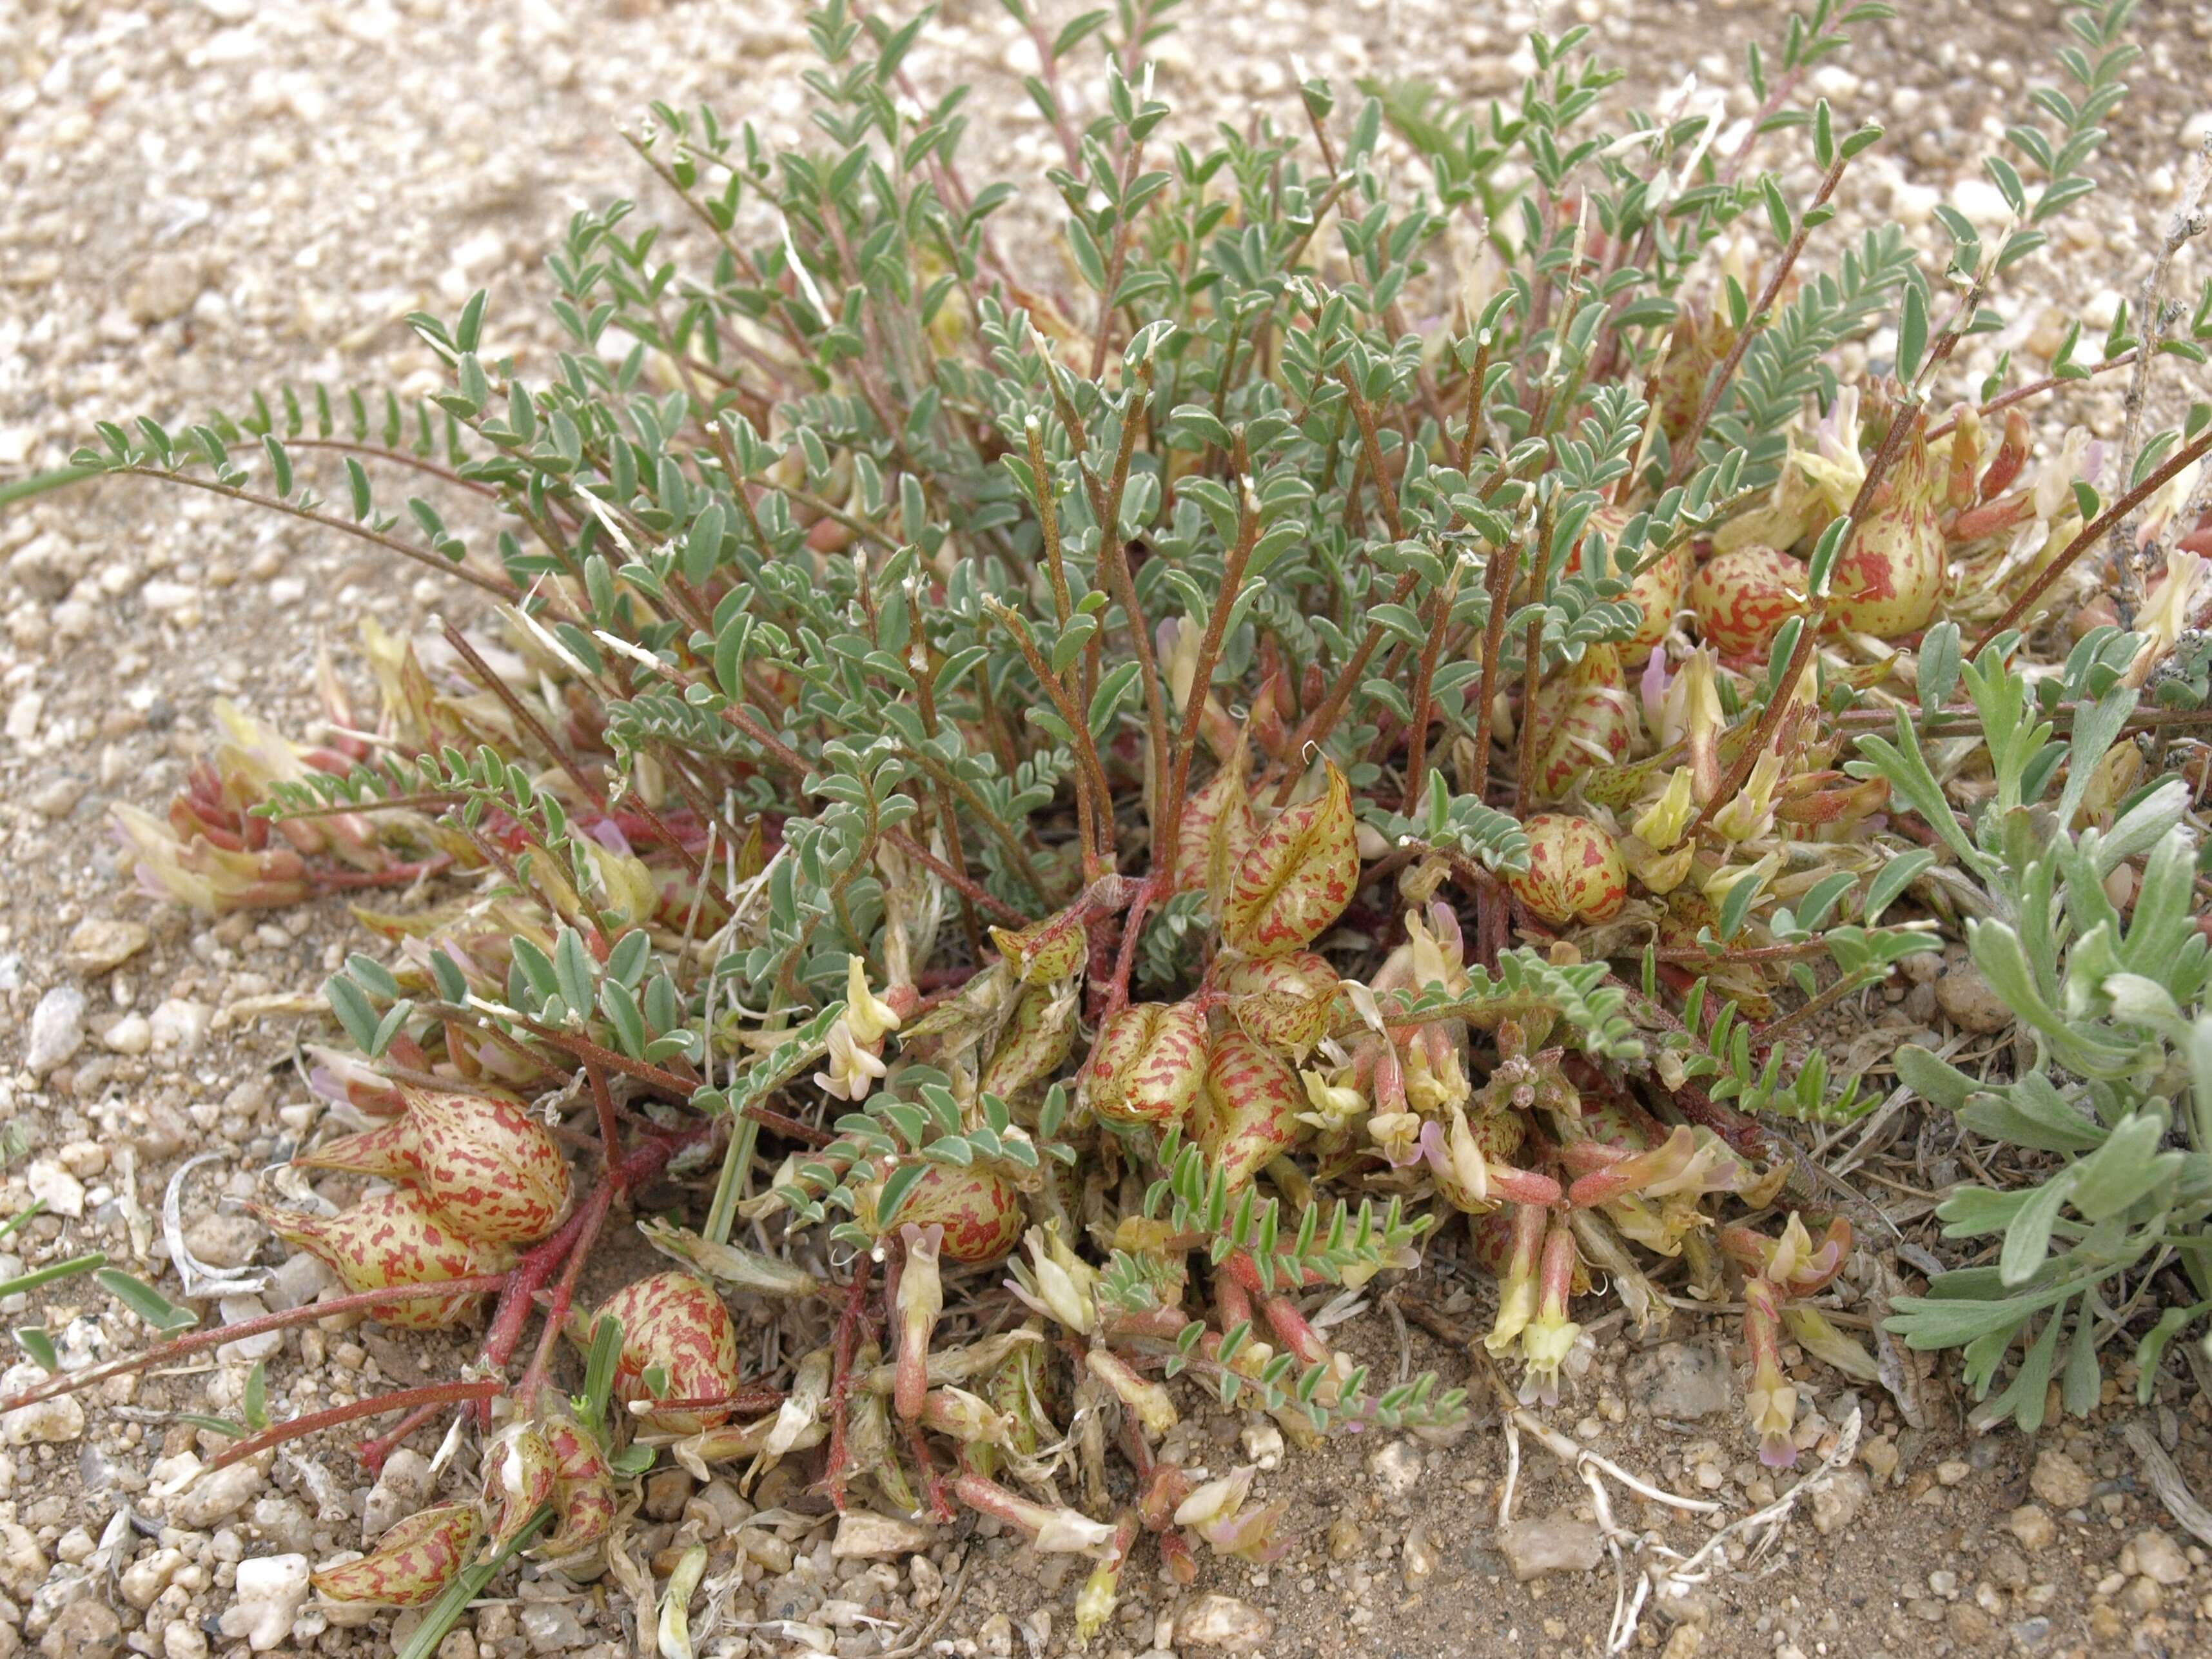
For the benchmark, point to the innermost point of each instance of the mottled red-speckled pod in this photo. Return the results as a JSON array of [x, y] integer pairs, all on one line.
[[1283, 1003], [1297, 876], [1890, 575], [1585, 718], [414, 1560], [980, 1211], [1218, 815], [1574, 874], [1035, 1042], [1656, 592], [1742, 598], [388, 1238], [1252, 1105], [487, 1168], [1150, 1063], [1047, 952], [583, 1489], [677, 1323], [517, 1479]]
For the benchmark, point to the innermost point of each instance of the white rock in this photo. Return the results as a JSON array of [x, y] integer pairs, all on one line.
[[271, 1589], [1396, 1467], [56, 1030], [2158, 1556], [1222, 1621], [178, 1026], [52, 1421], [1981, 202], [245, 1350], [103, 943], [215, 1496], [62, 1193], [130, 1034], [864, 1533], [1558, 1543], [399, 1492]]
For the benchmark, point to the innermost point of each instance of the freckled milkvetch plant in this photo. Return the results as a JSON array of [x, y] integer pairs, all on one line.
[[1097, 799]]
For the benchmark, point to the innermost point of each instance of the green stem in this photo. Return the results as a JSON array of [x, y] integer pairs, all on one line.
[[39, 482]]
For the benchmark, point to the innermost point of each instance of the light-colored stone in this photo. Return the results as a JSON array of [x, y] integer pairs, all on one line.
[[1682, 1380], [1836, 1504], [56, 1030], [1970, 1000], [2032, 1525], [272, 1590], [166, 287], [2058, 1480], [401, 1488], [1558, 1543], [103, 943], [2158, 1557], [62, 1193], [865, 1535], [215, 1496], [1224, 1622], [180, 1025], [48, 1421], [86, 1629], [1396, 1467]]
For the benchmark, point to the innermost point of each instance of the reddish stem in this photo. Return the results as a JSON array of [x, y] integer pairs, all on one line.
[[840, 1378], [434, 1395], [359, 1302]]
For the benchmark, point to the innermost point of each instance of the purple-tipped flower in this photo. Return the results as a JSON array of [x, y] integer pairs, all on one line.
[[1771, 1400]]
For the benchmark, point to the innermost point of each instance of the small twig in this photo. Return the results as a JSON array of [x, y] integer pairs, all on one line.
[[2164, 1479]]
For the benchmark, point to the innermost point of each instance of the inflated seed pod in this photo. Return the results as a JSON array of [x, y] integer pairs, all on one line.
[[1149, 1065], [1575, 870], [489, 1170], [411, 1563], [1253, 1101], [518, 1479], [387, 1239], [980, 1211], [1284, 1002], [1889, 576], [677, 1324], [1741, 599]]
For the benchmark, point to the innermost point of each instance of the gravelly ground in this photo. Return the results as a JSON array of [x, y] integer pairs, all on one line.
[[199, 199]]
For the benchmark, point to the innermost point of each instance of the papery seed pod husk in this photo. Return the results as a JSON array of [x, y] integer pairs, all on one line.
[[389, 1239], [411, 1563], [1052, 950], [518, 1479], [489, 1169], [1283, 1003], [1252, 1104], [1297, 876], [1149, 1065], [583, 1491], [678, 1324], [1035, 1042]]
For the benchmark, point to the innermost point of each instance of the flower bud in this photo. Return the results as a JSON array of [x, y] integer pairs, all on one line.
[[1149, 1065], [388, 1239], [1055, 1281], [1770, 1401], [411, 1563], [920, 1300]]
